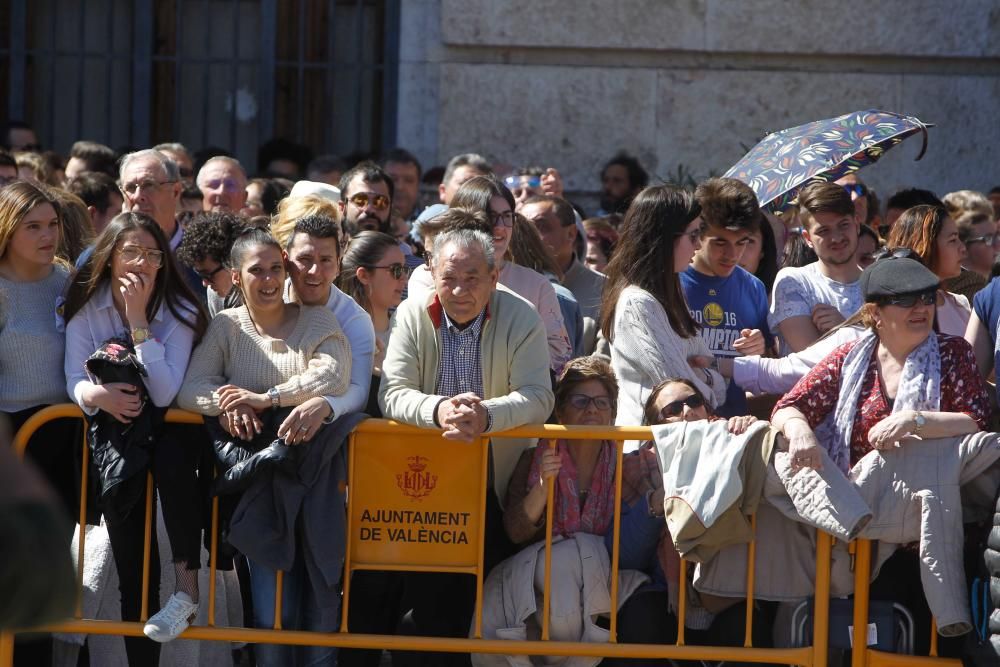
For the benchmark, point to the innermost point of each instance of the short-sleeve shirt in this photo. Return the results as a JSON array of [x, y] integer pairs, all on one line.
[[798, 289], [815, 395], [986, 305], [724, 306]]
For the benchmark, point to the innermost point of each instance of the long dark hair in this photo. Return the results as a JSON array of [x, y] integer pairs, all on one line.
[[169, 288], [644, 256], [767, 269], [365, 251]]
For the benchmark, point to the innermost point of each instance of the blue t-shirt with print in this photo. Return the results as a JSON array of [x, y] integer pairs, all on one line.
[[986, 305], [722, 307]]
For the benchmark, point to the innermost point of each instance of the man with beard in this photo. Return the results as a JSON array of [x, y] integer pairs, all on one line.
[[366, 193], [809, 301], [621, 179]]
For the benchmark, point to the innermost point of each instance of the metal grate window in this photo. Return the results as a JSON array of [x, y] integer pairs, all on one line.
[[226, 73]]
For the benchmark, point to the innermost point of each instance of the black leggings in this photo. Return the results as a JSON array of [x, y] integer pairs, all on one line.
[[56, 449], [174, 467]]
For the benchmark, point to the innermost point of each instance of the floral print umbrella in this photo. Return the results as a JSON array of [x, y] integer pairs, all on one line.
[[824, 150]]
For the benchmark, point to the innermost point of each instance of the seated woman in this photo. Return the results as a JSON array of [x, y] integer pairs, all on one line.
[[583, 472], [899, 380], [649, 616], [255, 361]]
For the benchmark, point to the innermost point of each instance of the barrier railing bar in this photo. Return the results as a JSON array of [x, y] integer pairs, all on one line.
[[616, 535], [81, 542], [147, 532], [751, 578], [934, 638], [278, 592], [883, 659], [546, 588], [389, 427], [484, 477], [862, 585], [682, 591], [821, 602], [348, 566], [213, 552], [794, 656], [6, 648]]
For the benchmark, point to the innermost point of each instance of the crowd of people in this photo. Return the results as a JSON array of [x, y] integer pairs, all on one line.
[[471, 300]]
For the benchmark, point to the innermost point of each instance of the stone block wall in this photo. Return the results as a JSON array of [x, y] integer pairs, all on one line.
[[568, 83]]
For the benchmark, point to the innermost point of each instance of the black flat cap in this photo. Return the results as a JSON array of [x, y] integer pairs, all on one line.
[[896, 276]]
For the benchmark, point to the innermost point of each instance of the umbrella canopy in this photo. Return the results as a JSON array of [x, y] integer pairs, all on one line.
[[824, 150]]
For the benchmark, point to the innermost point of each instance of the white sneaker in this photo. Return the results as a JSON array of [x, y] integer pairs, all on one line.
[[172, 620]]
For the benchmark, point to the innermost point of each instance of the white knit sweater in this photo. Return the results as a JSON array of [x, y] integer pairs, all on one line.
[[315, 360], [646, 350]]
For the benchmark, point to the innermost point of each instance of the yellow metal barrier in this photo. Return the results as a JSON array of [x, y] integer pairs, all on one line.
[[420, 446]]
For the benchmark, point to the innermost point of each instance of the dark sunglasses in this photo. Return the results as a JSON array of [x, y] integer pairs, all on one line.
[[397, 270], [380, 202], [582, 401], [910, 300], [694, 401], [856, 189], [207, 276]]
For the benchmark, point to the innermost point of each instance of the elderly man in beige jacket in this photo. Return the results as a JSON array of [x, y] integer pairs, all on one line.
[[467, 359]]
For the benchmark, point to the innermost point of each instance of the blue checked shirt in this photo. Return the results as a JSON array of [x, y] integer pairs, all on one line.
[[461, 367]]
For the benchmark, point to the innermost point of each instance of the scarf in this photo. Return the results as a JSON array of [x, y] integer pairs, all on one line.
[[598, 510], [919, 389]]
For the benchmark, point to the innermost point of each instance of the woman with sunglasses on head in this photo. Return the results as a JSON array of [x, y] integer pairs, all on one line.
[[490, 196], [257, 360], [933, 237], [644, 315], [373, 272], [645, 543], [130, 289]]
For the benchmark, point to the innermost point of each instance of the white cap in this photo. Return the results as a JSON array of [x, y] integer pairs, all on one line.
[[325, 190]]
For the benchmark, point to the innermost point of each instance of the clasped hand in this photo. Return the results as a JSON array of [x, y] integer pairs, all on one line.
[[463, 417]]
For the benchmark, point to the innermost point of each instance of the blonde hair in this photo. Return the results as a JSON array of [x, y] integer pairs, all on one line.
[[964, 201], [292, 209]]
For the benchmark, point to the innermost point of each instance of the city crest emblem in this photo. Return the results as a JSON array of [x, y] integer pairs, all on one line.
[[416, 482]]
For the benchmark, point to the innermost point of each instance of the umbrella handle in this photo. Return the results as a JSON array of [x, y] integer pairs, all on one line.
[[923, 147]]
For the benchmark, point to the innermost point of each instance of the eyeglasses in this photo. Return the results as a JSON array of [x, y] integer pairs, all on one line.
[[523, 181], [134, 188], [674, 408], [505, 219], [856, 190], [133, 253], [224, 184], [582, 401], [380, 202], [910, 300], [207, 276], [397, 270], [986, 238]]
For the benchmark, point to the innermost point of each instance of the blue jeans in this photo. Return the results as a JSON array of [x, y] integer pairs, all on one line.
[[305, 605]]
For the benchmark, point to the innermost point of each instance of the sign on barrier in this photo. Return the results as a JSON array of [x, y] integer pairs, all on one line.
[[415, 501]]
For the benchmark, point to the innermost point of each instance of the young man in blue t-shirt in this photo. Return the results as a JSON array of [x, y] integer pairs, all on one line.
[[729, 303]]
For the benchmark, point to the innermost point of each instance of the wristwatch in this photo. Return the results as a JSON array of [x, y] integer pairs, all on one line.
[[918, 420], [272, 393], [140, 335]]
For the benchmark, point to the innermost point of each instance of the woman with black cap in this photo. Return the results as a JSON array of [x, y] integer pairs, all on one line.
[[899, 379]]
